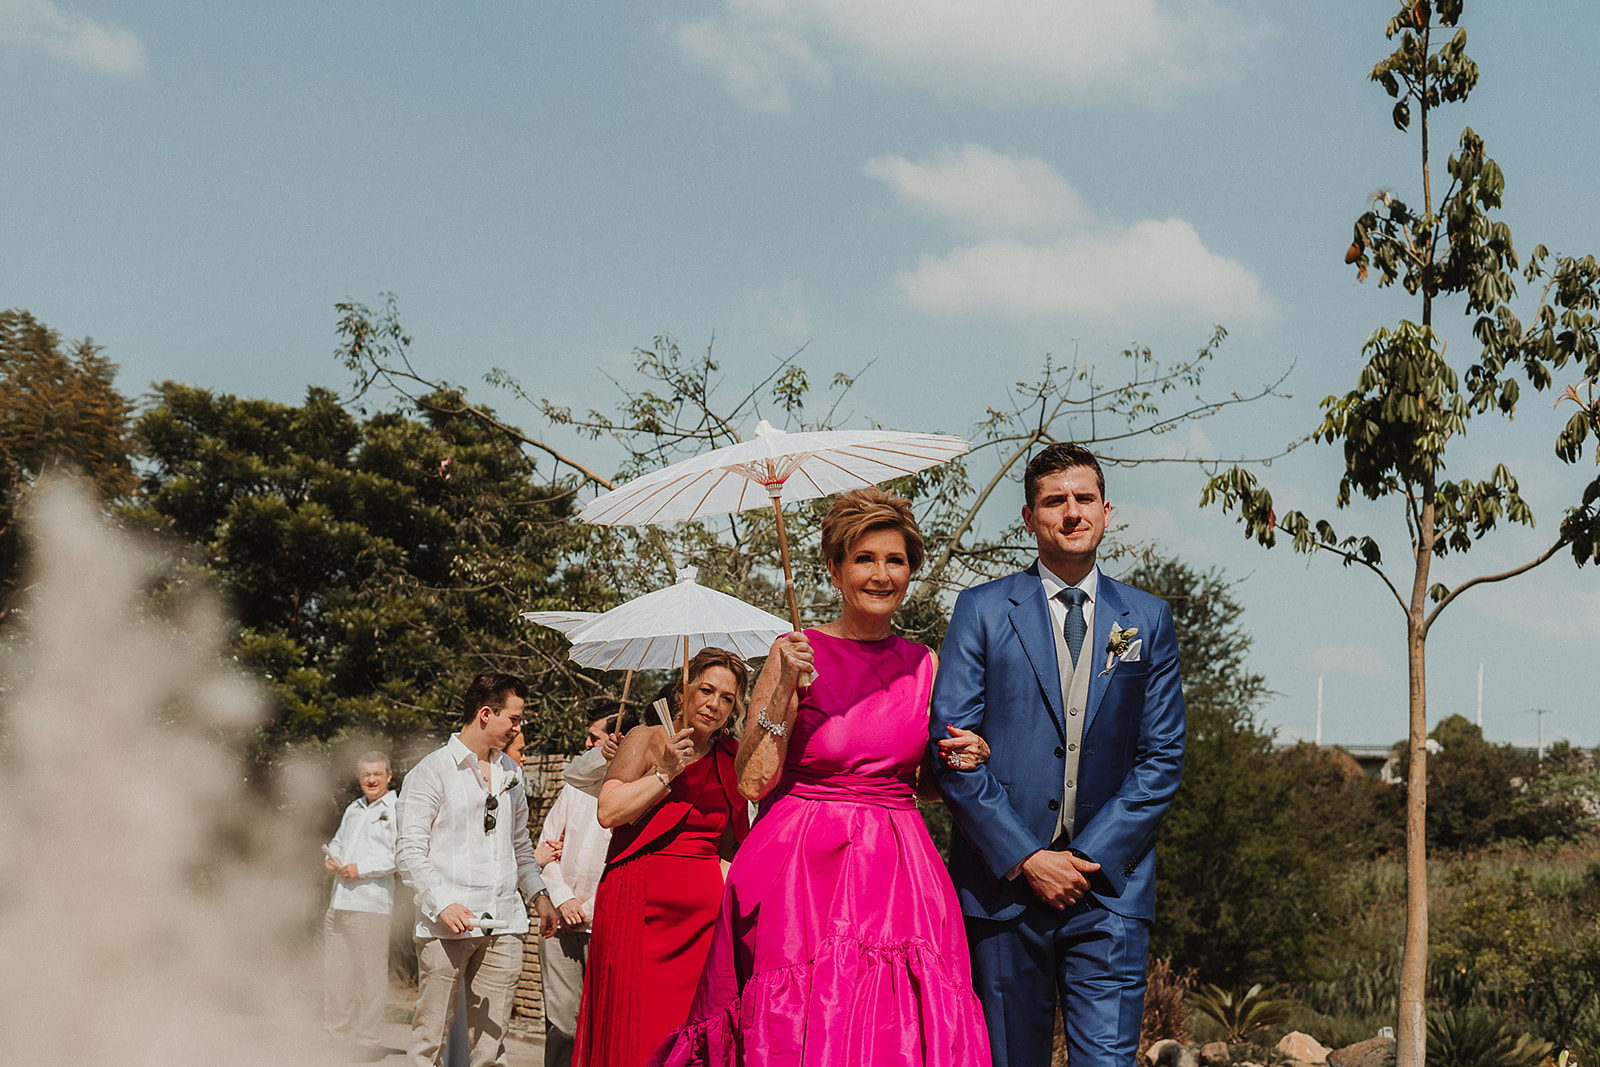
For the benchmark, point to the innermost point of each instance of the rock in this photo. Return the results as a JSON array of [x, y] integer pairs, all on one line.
[[1158, 1050], [1215, 1054], [1169, 1053], [1373, 1052], [1303, 1048]]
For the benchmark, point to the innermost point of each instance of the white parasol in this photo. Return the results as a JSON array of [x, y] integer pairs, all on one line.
[[774, 467], [664, 628], [565, 621]]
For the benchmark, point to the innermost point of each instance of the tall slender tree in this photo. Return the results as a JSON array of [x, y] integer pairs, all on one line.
[[1409, 405]]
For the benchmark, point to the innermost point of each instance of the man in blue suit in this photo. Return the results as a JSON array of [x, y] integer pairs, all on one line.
[[1073, 680]]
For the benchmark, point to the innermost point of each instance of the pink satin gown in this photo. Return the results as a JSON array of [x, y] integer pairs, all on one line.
[[839, 940]]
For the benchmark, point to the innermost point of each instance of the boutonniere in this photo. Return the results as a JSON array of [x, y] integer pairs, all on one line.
[[383, 817], [510, 784], [1118, 644]]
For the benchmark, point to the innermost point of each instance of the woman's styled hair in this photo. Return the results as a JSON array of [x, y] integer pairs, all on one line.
[[699, 663], [861, 511]]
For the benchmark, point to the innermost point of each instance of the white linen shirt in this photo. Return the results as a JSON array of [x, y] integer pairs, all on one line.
[[445, 855], [366, 838], [583, 856]]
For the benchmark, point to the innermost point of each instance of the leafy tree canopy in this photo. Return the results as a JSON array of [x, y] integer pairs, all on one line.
[[374, 563], [59, 411]]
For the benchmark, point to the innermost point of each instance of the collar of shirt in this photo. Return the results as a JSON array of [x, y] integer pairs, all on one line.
[[1054, 585], [466, 758], [385, 801]]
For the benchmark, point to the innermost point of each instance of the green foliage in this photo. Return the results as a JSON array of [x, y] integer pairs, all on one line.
[[1515, 932], [1241, 1012], [374, 564], [1473, 1038], [1482, 794], [1255, 833], [59, 411], [1520, 944]]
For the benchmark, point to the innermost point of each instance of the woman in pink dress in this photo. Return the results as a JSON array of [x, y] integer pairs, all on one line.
[[839, 940]]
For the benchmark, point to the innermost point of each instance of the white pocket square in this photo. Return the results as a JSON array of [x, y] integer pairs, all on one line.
[[1131, 654]]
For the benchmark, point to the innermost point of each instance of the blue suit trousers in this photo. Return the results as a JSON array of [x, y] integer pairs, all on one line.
[[1094, 957]]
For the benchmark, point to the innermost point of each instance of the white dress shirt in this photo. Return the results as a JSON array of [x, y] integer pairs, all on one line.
[[1053, 586], [366, 838], [583, 857], [447, 857]]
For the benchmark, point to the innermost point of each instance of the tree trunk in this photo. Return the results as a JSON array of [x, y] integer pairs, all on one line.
[[1411, 1034]]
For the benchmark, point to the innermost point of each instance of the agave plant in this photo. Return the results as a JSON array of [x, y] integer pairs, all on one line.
[[1473, 1038], [1240, 1013]]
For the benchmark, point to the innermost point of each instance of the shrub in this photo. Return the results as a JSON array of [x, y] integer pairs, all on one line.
[[1241, 1013], [1473, 1038]]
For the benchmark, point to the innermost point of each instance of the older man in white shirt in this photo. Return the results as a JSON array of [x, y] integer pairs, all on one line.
[[464, 850], [355, 929]]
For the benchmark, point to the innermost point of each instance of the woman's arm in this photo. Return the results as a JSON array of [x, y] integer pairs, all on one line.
[[762, 750], [640, 776]]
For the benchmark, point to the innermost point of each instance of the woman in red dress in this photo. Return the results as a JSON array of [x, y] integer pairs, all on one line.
[[673, 803]]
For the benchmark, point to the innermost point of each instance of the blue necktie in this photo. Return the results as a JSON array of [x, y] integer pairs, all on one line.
[[1075, 629]]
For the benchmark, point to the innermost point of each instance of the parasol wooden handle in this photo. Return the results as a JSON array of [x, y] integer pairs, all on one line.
[[776, 491]]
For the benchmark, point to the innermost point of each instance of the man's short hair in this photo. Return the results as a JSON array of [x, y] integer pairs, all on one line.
[[623, 721], [491, 689], [1060, 456], [373, 757]]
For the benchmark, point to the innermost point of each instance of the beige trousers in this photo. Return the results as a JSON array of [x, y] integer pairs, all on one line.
[[489, 967], [561, 962], [355, 974]]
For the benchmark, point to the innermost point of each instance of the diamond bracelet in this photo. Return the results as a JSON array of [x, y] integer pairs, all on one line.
[[776, 729]]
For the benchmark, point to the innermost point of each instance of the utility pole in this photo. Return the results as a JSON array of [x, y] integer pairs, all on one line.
[[1319, 711], [1480, 698], [1541, 712]]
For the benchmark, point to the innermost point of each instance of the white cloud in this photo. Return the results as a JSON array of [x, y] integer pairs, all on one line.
[[41, 26], [996, 48], [985, 192], [1041, 253], [757, 63]]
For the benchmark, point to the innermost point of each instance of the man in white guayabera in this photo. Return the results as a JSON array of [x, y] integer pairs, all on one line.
[[465, 851], [355, 931]]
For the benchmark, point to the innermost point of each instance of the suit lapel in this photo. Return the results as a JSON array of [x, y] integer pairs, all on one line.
[[1030, 618], [1109, 609]]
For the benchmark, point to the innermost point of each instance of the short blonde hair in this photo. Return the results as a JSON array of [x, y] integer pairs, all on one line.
[[861, 511]]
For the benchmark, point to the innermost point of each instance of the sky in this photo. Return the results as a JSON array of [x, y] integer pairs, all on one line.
[[936, 195]]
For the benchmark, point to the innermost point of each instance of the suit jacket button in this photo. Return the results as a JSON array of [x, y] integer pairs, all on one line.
[[1055, 805], [1060, 752]]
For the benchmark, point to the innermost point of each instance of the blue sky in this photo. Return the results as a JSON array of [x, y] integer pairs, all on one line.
[[945, 191]]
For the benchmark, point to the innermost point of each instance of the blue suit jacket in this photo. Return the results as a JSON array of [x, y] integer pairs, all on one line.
[[998, 676]]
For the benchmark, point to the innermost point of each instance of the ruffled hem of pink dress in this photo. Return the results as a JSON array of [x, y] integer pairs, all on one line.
[[857, 1004]]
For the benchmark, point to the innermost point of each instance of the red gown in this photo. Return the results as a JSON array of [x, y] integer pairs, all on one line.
[[653, 916]]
